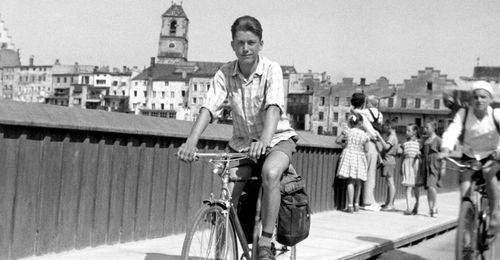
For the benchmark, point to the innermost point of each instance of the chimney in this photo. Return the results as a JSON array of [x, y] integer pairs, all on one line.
[[362, 81], [32, 60], [57, 62], [152, 62], [77, 67]]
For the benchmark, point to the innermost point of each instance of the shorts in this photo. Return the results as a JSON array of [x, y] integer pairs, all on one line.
[[467, 174], [287, 147], [388, 170]]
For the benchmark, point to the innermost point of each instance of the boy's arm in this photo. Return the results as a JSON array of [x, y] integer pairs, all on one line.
[[258, 148], [187, 149]]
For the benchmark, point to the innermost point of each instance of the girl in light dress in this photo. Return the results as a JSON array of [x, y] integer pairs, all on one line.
[[410, 168], [353, 165]]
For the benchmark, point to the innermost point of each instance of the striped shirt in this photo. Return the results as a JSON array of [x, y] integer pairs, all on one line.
[[411, 149], [249, 100]]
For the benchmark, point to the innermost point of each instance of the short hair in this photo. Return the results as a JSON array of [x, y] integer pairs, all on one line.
[[358, 99], [433, 123], [247, 24], [386, 127]]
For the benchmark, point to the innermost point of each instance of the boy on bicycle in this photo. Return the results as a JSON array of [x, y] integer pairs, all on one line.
[[480, 141], [254, 87]]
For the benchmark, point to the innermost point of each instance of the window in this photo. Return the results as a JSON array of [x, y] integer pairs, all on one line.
[[114, 92], [135, 93], [145, 94], [123, 92], [403, 102], [195, 87], [153, 106], [201, 100], [173, 27], [65, 80], [163, 94], [390, 103], [320, 130], [154, 94], [335, 116], [429, 85], [162, 106], [172, 94], [322, 101], [417, 103], [208, 86], [334, 130], [436, 103], [320, 116], [115, 83], [183, 93], [171, 106], [101, 82], [58, 80], [336, 102], [194, 100], [348, 101]]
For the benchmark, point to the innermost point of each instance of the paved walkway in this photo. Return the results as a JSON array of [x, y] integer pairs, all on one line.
[[333, 235]]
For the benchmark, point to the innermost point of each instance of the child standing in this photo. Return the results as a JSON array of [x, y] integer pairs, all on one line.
[[430, 165], [389, 142], [353, 165], [410, 168]]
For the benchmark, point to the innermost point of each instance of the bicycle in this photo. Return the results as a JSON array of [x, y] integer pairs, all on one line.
[[216, 230], [472, 239]]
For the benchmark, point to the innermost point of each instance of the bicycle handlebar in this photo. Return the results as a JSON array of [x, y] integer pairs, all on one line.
[[228, 156]]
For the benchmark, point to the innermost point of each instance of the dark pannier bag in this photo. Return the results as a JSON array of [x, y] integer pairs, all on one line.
[[294, 219]]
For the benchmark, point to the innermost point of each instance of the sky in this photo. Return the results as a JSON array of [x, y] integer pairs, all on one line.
[[349, 38]]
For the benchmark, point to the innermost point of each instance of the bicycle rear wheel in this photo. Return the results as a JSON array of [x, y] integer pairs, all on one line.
[[467, 237], [206, 237]]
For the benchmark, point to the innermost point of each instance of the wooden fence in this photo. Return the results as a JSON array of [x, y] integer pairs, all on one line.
[[73, 178]]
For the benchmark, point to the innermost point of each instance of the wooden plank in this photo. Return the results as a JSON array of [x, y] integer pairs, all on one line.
[[70, 186], [101, 213], [182, 202], [143, 192], [24, 232], [158, 191], [171, 194], [118, 164], [88, 183], [130, 194], [8, 160], [324, 179]]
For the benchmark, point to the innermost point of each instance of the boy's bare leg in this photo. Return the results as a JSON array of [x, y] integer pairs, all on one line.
[[493, 191], [274, 165]]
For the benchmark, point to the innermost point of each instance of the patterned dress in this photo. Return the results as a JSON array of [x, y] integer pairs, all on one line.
[[430, 163], [410, 167], [353, 158]]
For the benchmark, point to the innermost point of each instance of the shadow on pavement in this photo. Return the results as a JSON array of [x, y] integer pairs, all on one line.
[[155, 256], [376, 240], [398, 255]]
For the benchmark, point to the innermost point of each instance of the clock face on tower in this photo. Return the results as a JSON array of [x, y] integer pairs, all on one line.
[[171, 45]]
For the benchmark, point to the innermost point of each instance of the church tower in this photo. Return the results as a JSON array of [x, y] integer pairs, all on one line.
[[173, 45]]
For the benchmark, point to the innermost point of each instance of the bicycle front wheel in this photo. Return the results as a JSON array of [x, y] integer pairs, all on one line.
[[207, 237], [467, 237]]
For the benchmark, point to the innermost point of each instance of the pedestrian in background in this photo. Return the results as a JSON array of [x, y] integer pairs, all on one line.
[[353, 165], [358, 102], [431, 165], [410, 168], [389, 143]]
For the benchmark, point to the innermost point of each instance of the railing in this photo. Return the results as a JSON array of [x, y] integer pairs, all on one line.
[[74, 178]]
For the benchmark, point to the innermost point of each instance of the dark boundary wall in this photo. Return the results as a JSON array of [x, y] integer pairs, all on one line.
[[73, 178]]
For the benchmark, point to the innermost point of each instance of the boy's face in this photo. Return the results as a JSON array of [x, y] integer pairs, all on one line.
[[246, 45]]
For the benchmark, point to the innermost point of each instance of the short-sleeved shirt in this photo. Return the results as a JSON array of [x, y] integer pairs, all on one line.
[[249, 100], [389, 155]]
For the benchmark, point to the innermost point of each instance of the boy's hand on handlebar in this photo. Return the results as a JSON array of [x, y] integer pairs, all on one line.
[[187, 152], [257, 149]]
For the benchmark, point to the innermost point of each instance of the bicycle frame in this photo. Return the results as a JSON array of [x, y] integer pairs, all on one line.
[[225, 202]]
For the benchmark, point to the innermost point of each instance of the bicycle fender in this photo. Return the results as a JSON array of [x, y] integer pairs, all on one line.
[[220, 203]]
